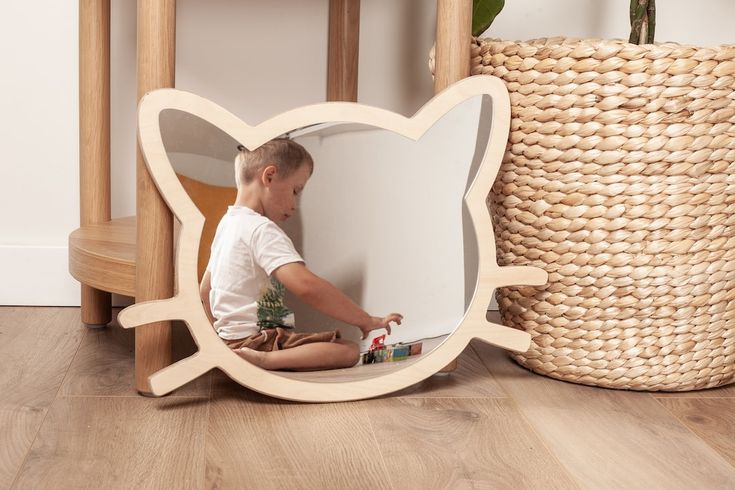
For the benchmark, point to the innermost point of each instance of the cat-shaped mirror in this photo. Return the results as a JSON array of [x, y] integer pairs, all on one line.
[[375, 219]]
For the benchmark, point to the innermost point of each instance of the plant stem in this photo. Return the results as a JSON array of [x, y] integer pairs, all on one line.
[[651, 21], [642, 21]]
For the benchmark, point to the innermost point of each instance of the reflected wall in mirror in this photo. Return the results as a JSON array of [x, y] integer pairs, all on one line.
[[382, 218], [202, 157]]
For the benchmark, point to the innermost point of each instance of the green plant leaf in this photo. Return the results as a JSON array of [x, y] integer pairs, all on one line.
[[483, 14]]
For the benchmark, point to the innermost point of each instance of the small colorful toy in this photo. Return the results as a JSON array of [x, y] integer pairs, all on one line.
[[379, 352]]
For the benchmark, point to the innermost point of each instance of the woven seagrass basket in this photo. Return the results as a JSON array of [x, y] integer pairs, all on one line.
[[619, 181]]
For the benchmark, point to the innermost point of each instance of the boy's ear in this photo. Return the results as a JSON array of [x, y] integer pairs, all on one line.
[[269, 172]]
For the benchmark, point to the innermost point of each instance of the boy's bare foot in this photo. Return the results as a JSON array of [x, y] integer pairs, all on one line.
[[252, 356]]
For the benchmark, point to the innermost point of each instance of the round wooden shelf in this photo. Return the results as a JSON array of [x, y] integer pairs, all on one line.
[[103, 255]]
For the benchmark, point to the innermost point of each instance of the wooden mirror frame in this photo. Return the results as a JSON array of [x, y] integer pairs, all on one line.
[[321, 386]]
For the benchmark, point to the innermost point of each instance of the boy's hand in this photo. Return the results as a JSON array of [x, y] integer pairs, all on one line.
[[323, 296], [377, 322]]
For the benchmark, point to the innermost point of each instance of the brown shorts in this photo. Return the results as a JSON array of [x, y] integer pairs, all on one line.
[[270, 339]]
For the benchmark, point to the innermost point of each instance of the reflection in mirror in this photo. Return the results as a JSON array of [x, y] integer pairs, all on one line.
[[381, 217], [202, 157]]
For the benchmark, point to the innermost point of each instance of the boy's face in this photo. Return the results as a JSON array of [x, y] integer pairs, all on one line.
[[281, 193]]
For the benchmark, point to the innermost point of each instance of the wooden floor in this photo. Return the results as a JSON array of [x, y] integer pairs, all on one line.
[[70, 418]]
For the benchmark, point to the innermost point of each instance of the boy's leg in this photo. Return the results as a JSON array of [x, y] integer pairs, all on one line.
[[307, 357]]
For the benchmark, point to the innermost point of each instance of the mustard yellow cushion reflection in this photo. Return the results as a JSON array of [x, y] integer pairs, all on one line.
[[355, 383]]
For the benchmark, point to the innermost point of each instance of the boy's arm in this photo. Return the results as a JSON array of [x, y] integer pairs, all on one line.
[[204, 289], [323, 296]]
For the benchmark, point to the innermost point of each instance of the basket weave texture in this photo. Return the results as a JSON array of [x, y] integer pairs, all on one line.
[[619, 181]]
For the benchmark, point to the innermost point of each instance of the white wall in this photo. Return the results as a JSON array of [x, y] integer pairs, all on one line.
[[704, 23], [244, 54], [39, 188]]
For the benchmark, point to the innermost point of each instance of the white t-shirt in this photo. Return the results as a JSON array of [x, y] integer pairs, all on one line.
[[246, 249]]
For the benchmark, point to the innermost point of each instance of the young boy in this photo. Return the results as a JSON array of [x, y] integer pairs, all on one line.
[[252, 258]]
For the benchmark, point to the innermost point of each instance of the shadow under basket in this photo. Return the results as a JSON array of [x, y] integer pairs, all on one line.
[[619, 181]]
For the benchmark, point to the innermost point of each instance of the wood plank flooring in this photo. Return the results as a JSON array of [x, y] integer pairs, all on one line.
[[70, 418]]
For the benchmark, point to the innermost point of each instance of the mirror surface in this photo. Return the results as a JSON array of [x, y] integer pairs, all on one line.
[[382, 217]]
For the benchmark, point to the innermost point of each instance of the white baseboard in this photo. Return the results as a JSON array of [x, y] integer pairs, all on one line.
[[39, 276]]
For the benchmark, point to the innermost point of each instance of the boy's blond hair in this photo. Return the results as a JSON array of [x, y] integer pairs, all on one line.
[[286, 155]]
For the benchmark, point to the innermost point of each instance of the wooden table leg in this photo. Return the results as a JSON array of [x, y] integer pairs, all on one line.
[[94, 138], [453, 37], [154, 260]]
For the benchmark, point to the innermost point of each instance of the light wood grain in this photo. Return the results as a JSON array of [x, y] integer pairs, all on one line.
[[712, 419], [470, 379], [560, 437], [467, 443], [103, 255], [36, 347], [94, 137], [453, 39], [588, 428], [186, 304], [265, 443], [156, 48], [96, 306], [104, 364], [343, 50], [727, 391], [94, 111], [121, 443]]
